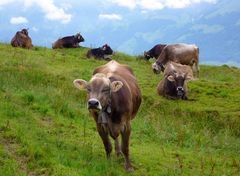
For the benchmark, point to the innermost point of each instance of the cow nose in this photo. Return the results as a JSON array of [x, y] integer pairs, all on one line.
[[93, 103], [179, 88]]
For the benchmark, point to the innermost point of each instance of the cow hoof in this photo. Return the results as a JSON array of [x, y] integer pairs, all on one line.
[[119, 153]]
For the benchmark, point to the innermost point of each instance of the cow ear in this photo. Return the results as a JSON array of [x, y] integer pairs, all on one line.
[[80, 83], [170, 78], [116, 85]]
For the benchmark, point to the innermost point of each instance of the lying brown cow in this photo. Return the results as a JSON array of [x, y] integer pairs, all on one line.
[[21, 39], [68, 42], [114, 99], [180, 53], [174, 83]]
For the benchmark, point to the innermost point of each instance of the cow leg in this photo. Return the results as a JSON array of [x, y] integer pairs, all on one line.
[[114, 133], [125, 147], [103, 132], [117, 147], [195, 69]]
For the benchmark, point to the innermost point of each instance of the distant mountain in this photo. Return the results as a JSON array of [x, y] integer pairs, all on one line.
[[215, 28]]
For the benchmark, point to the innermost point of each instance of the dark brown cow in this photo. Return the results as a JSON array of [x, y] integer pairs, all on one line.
[[180, 53], [114, 99], [103, 52], [174, 83], [21, 39], [68, 42], [154, 52]]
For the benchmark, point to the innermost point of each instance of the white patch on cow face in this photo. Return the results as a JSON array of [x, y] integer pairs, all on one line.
[[156, 68], [99, 75], [179, 74]]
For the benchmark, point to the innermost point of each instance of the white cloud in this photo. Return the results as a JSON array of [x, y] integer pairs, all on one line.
[[131, 4], [52, 12], [5, 2], [110, 16], [18, 20], [151, 4], [158, 4], [208, 29]]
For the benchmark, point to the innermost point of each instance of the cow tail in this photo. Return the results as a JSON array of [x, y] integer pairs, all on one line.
[[196, 62]]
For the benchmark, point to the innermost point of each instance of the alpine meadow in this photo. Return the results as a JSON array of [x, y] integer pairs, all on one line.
[[46, 129]]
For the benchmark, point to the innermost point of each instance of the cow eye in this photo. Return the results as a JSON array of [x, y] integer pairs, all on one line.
[[88, 89], [106, 90]]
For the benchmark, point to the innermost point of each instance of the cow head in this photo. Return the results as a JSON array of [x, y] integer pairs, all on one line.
[[24, 31], [99, 89], [107, 49], [177, 82], [79, 37], [157, 67], [147, 55]]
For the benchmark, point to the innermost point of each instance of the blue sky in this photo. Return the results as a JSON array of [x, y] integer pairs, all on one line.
[[130, 26]]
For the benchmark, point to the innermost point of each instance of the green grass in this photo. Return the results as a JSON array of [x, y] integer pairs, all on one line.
[[45, 128]]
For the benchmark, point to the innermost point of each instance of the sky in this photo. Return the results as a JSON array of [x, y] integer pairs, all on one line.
[[130, 26]]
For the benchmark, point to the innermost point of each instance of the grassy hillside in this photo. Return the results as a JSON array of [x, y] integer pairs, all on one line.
[[45, 128]]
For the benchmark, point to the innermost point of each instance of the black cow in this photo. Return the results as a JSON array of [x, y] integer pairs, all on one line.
[[103, 52], [68, 42], [154, 52]]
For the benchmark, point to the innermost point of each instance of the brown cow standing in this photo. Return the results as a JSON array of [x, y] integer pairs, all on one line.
[[21, 39], [174, 83], [180, 53], [114, 99]]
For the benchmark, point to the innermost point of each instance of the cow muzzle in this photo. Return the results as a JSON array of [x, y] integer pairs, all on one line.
[[180, 91], [94, 104]]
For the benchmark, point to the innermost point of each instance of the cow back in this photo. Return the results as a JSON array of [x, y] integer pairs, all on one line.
[[181, 53]]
